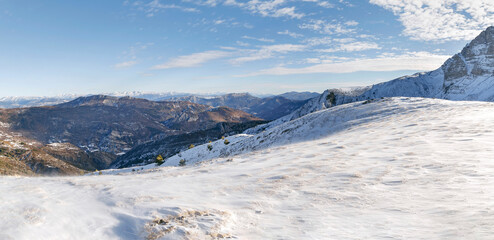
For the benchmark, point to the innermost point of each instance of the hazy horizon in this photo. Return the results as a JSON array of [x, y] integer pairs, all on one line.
[[130, 93]]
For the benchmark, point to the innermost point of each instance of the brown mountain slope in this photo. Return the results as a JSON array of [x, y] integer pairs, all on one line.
[[90, 132], [19, 158], [110, 124]]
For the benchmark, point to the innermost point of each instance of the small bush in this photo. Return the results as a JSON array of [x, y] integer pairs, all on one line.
[[182, 163], [191, 146], [159, 160], [226, 142], [223, 138], [210, 147]]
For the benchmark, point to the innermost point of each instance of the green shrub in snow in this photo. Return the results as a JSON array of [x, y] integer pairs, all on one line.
[[159, 160]]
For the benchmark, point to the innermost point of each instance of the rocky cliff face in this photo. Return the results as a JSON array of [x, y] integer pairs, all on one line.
[[469, 74]]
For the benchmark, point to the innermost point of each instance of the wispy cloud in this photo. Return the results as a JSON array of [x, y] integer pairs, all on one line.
[[315, 41], [270, 8], [192, 60], [441, 20], [420, 61], [258, 39], [125, 64], [242, 44], [351, 47], [321, 3], [136, 50], [219, 21], [130, 57], [266, 52], [155, 6], [329, 27], [291, 34], [341, 44]]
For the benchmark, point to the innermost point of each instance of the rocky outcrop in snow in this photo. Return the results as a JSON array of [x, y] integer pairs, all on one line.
[[469, 74]]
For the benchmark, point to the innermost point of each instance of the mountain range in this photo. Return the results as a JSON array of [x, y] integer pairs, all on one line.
[[36, 101], [268, 108], [94, 132], [90, 132], [102, 131]]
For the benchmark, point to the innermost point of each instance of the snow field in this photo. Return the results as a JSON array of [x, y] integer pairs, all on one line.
[[400, 168]]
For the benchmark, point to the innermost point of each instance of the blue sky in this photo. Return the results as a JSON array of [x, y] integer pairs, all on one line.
[[55, 47]]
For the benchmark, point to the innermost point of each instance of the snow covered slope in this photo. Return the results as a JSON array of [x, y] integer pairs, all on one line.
[[468, 75], [400, 168]]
